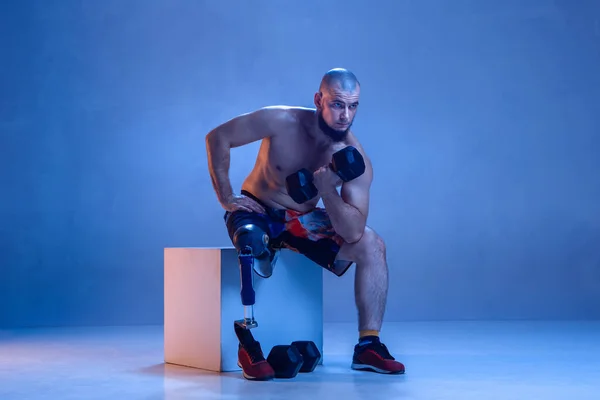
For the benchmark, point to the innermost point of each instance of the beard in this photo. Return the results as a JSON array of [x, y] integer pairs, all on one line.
[[333, 134]]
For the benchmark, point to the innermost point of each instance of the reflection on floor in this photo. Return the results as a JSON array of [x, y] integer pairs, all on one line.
[[444, 360]]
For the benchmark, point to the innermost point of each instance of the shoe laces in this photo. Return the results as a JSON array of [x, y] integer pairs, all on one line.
[[254, 351], [380, 349]]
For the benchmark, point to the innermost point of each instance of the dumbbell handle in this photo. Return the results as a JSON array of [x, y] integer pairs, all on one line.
[[350, 164]]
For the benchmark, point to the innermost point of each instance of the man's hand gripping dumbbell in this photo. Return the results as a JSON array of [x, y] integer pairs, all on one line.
[[348, 164]]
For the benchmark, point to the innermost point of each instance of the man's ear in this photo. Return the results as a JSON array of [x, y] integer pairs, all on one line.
[[318, 98]]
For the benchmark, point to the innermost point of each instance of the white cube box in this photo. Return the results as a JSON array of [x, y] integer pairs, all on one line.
[[202, 301]]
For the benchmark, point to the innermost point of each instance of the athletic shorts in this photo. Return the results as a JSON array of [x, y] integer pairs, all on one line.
[[310, 234]]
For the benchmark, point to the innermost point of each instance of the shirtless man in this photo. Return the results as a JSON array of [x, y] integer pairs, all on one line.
[[335, 236]]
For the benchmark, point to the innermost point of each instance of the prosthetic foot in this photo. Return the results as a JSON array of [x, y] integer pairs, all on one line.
[[250, 355], [251, 358]]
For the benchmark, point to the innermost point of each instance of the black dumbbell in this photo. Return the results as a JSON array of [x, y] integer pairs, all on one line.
[[347, 163], [288, 360], [311, 356], [300, 186]]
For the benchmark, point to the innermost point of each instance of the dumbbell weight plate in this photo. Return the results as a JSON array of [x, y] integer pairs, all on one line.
[[310, 354], [348, 163], [286, 361], [300, 186]]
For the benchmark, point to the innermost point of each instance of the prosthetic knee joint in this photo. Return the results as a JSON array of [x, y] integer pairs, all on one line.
[[254, 255]]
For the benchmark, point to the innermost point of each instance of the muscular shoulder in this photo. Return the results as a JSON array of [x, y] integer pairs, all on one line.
[[286, 113], [266, 122], [283, 118]]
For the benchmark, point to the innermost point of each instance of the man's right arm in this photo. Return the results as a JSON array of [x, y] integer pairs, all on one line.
[[239, 131]]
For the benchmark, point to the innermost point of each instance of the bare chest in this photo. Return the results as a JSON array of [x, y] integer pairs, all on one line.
[[288, 155]]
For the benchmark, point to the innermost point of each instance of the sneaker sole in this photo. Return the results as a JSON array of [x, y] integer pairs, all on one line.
[[253, 378], [365, 367]]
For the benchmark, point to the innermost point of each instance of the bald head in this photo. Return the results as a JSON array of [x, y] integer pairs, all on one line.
[[339, 78], [337, 102]]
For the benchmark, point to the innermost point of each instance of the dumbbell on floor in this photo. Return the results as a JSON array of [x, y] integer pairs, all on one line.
[[310, 354], [347, 163], [288, 360]]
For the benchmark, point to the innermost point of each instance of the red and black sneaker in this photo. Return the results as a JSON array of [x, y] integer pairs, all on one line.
[[252, 362], [371, 354]]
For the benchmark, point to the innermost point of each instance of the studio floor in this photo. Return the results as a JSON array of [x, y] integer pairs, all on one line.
[[444, 360]]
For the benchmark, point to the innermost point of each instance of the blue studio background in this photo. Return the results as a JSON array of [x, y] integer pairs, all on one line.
[[481, 117]]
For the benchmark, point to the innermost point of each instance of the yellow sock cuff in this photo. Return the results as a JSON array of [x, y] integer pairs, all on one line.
[[362, 334]]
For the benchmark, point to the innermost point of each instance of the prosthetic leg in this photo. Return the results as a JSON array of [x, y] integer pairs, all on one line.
[[254, 256], [246, 260]]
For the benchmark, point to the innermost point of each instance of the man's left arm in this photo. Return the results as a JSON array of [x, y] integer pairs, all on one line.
[[349, 209]]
